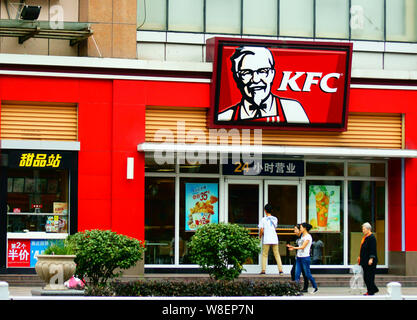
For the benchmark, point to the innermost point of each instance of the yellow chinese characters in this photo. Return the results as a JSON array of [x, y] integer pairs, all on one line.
[[40, 160]]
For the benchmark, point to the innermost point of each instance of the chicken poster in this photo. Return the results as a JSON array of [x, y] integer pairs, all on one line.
[[201, 205]]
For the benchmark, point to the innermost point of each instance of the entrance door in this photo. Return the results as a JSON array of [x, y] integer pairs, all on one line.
[[244, 206], [245, 201], [285, 198]]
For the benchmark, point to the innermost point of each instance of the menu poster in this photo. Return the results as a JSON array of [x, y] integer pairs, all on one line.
[[324, 208], [61, 207], [201, 204]]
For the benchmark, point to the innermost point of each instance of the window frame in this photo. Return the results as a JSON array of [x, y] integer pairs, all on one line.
[[279, 35]]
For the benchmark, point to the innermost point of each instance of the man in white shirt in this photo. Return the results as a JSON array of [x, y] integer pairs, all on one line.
[[268, 235]]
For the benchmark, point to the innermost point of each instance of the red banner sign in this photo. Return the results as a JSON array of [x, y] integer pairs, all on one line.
[[279, 84], [18, 253]]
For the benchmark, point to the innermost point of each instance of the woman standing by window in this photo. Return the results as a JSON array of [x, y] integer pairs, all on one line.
[[368, 259], [303, 255]]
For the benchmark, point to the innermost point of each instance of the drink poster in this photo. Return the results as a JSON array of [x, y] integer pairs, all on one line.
[[201, 205], [324, 208]]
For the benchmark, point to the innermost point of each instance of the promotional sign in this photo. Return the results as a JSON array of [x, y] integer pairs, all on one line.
[[277, 168], [201, 204], [22, 253], [279, 84], [37, 247], [18, 253], [39, 159], [324, 208]]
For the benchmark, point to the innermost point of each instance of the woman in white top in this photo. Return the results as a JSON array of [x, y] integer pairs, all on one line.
[[303, 255]]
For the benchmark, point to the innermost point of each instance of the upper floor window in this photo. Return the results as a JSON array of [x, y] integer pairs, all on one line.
[[378, 20]]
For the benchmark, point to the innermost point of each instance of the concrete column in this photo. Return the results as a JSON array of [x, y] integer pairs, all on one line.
[[114, 26]]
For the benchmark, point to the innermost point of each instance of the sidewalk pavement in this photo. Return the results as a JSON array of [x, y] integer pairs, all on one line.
[[20, 291]]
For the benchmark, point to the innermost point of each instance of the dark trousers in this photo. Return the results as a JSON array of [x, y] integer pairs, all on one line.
[[304, 263], [369, 278], [302, 272]]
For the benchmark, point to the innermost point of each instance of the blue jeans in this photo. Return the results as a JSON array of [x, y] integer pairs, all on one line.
[[303, 263]]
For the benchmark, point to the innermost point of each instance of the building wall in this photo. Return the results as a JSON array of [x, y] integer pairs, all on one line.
[[114, 26], [112, 112], [113, 23], [69, 10], [367, 55]]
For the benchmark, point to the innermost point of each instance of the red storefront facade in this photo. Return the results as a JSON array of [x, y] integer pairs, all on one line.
[[111, 125]]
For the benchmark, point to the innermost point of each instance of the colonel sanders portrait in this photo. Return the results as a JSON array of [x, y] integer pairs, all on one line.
[[253, 70]]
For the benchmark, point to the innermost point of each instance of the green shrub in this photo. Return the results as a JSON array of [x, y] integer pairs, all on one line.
[[200, 288], [100, 252], [221, 249]]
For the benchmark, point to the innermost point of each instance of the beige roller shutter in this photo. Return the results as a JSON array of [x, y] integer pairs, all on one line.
[[32, 121], [377, 130]]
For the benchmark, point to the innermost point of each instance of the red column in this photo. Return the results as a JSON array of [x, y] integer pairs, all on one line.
[[128, 131], [394, 231], [95, 161]]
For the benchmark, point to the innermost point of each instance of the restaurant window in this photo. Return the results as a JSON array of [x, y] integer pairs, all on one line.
[[366, 203], [159, 220], [323, 168], [199, 205], [326, 215], [359, 169], [199, 168], [39, 201], [152, 166]]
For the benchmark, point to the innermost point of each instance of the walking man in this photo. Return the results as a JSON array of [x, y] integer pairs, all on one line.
[[268, 235]]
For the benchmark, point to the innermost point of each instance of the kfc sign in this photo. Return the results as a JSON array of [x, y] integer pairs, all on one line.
[[279, 84]]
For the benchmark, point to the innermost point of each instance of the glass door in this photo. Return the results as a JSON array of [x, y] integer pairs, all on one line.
[[285, 198], [244, 206]]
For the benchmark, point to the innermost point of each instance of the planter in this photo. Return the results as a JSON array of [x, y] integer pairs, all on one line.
[[54, 270]]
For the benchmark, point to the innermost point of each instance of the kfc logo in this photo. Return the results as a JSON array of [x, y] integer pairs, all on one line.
[[254, 71], [290, 80], [275, 84]]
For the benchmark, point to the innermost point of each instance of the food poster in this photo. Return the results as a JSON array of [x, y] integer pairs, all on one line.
[[201, 204], [324, 208]]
